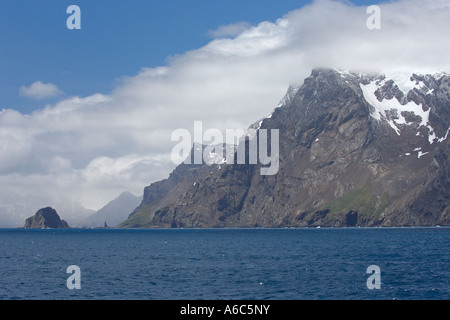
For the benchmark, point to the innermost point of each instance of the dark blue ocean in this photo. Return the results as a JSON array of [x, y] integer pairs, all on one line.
[[226, 264]]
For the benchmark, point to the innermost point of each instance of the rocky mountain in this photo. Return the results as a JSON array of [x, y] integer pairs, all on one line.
[[46, 218], [354, 150], [114, 212]]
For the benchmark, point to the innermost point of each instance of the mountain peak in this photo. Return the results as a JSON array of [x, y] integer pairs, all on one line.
[[115, 211], [355, 149], [403, 99], [407, 102]]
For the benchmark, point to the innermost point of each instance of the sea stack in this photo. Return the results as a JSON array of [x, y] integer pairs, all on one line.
[[46, 218]]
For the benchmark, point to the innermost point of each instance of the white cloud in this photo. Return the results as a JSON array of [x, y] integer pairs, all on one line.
[[38, 90], [230, 30], [92, 148]]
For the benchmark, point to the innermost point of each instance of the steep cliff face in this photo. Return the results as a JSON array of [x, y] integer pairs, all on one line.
[[354, 150], [46, 218]]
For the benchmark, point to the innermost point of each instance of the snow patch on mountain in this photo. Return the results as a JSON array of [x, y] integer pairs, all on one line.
[[391, 110], [402, 79], [446, 135]]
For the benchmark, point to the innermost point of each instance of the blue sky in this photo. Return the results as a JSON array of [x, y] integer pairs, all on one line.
[[117, 39]]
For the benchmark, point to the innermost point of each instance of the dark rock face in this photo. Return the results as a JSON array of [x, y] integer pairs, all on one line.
[[46, 218], [114, 212], [355, 150]]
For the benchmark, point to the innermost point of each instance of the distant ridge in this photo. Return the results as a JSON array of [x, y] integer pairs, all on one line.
[[46, 218], [114, 212]]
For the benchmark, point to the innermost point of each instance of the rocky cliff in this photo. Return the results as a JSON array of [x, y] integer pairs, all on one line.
[[46, 218], [354, 150]]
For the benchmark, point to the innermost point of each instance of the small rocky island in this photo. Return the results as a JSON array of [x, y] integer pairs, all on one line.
[[46, 218]]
